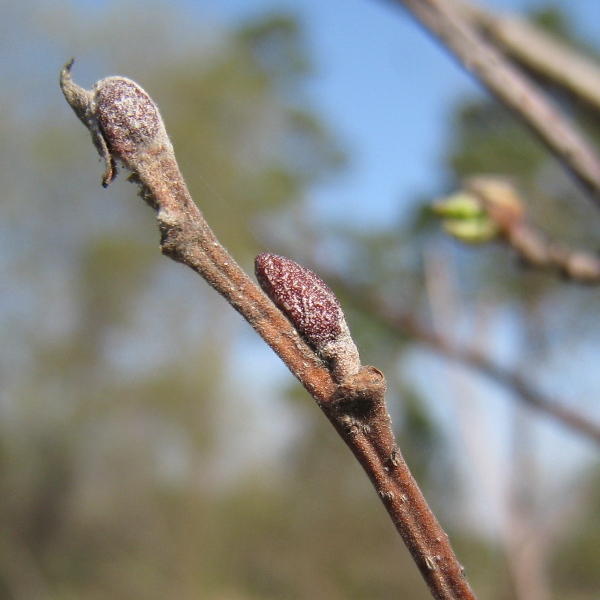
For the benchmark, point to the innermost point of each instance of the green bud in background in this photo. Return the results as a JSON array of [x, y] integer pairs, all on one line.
[[487, 208], [461, 205], [472, 231], [465, 217]]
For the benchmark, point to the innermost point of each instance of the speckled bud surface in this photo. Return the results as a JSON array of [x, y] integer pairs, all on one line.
[[124, 122], [311, 306], [127, 117], [302, 296]]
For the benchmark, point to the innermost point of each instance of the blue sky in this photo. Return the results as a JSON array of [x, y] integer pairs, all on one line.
[[384, 86], [388, 89]]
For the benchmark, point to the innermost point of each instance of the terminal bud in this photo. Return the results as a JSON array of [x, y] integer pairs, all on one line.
[[124, 121]]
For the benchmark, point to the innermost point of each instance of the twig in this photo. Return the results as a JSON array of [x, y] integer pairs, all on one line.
[[407, 325], [511, 87], [538, 251], [490, 207], [126, 126], [538, 51], [519, 385]]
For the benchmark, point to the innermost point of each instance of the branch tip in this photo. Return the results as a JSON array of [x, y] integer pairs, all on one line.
[[78, 98], [122, 118]]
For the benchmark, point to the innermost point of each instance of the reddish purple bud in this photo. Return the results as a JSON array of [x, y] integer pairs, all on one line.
[[302, 296], [311, 306]]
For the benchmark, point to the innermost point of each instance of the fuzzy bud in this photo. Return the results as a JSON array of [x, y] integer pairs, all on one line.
[[312, 307], [488, 208], [466, 218], [124, 121]]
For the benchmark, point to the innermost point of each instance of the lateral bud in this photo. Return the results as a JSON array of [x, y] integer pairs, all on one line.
[[124, 121], [313, 309]]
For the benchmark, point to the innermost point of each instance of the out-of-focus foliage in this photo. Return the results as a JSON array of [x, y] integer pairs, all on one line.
[[253, 145], [132, 458]]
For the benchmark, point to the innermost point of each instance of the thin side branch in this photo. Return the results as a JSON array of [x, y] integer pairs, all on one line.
[[126, 126], [407, 325], [490, 208], [511, 87], [538, 251], [553, 408]]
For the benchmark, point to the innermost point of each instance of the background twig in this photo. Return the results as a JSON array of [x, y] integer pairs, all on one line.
[[408, 325], [538, 52], [508, 85]]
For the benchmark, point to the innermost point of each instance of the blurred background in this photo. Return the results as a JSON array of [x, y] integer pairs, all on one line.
[[151, 446]]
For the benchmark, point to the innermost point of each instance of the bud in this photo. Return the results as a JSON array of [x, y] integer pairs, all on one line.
[[466, 218], [472, 231], [124, 121], [313, 309], [499, 198], [488, 207], [459, 206]]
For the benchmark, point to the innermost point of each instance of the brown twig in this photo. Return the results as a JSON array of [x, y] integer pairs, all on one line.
[[511, 87], [536, 250], [538, 51], [126, 126], [505, 207], [506, 377], [407, 325]]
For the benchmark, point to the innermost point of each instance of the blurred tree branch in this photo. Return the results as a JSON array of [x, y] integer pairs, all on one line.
[[538, 52], [444, 20], [406, 324]]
